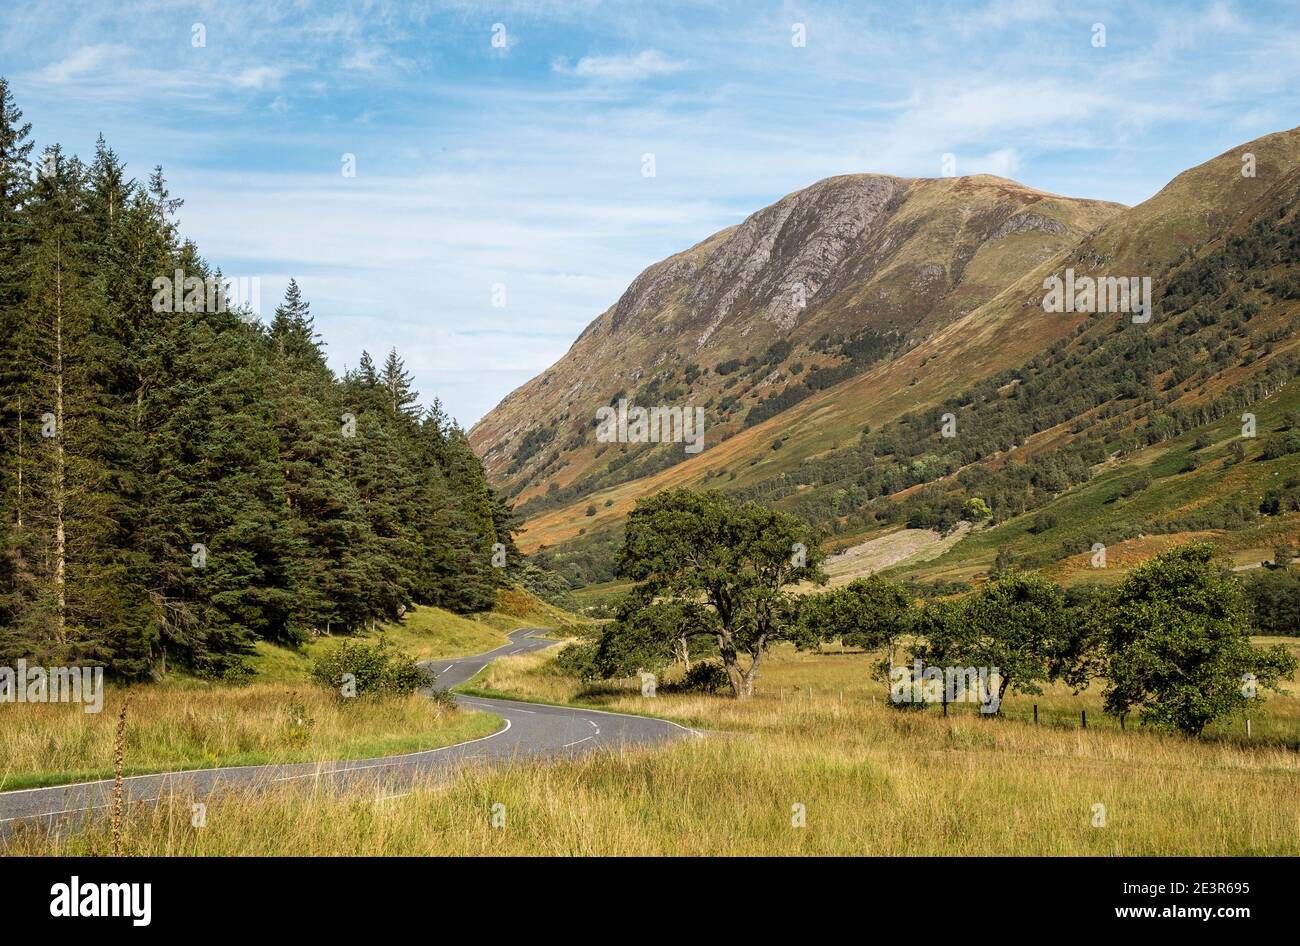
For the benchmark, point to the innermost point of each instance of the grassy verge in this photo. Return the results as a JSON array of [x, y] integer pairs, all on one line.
[[789, 678], [870, 779], [426, 634], [175, 728]]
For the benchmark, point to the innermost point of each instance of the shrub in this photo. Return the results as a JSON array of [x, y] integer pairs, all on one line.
[[578, 660], [375, 669], [704, 678]]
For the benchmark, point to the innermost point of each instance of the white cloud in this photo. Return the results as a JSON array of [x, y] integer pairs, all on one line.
[[258, 77], [643, 65], [87, 59]]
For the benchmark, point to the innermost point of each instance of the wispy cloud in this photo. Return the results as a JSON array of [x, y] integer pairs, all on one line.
[[82, 62], [643, 65], [522, 164]]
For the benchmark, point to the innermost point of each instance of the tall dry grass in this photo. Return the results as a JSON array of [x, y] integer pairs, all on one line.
[[197, 727], [871, 780]]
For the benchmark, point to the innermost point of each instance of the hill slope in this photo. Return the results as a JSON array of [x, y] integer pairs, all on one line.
[[880, 260], [1030, 390]]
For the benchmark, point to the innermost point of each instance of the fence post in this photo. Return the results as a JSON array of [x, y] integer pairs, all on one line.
[[1035, 714], [1247, 729], [1121, 721], [1083, 717]]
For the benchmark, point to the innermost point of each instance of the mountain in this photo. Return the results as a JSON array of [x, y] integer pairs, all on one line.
[[931, 304], [886, 260]]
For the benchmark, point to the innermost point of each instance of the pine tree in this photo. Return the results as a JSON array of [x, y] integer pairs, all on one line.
[[66, 507], [177, 485], [403, 400], [294, 329], [15, 233]]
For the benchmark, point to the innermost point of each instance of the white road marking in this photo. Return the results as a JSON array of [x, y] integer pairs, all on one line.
[[397, 760], [490, 706]]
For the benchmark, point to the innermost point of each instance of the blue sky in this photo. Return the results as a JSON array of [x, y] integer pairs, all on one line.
[[520, 163]]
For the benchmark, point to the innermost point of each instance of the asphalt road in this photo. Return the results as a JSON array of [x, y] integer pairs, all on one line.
[[529, 730]]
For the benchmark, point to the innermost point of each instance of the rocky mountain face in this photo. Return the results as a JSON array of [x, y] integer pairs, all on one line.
[[914, 294], [899, 258]]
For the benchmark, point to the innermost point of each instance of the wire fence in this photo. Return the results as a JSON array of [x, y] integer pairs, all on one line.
[[1036, 714]]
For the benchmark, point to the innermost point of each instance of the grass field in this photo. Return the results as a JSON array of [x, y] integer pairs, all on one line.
[[871, 780], [184, 722], [425, 634], [790, 677], [189, 727]]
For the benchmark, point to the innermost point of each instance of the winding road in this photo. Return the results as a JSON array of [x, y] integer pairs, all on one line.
[[529, 730]]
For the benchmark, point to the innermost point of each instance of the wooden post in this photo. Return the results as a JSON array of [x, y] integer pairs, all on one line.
[[1035, 714], [1247, 729], [1121, 721], [1083, 718]]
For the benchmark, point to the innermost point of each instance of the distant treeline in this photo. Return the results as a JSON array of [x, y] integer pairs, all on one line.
[[176, 485], [1113, 382]]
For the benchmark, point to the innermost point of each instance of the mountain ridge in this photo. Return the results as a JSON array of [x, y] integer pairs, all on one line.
[[864, 250], [1201, 209]]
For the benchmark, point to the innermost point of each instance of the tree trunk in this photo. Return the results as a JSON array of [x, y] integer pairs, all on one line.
[[752, 673], [60, 485], [685, 651], [730, 663], [20, 464]]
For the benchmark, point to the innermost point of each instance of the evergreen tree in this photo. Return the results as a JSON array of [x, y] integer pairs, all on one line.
[[177, 484]]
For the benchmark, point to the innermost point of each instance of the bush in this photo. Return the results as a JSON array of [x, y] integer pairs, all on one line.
[[578, 660], [375, 670], [704, 678]]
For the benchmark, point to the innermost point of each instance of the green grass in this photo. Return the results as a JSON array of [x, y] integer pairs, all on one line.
[[425, 633], [791, 677], [184, 722]]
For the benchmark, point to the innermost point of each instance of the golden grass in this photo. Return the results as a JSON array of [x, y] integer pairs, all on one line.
[[872, 780], [788, 677], [173, 728], [424, 633]]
